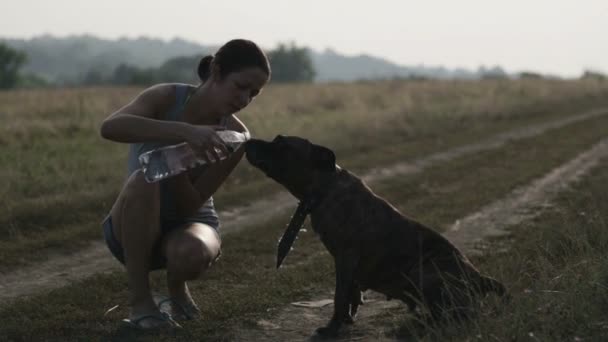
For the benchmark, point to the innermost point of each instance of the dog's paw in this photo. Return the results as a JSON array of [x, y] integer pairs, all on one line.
[[348, 320]]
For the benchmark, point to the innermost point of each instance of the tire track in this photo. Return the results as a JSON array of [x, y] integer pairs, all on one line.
[[523, 203], [61, 270]]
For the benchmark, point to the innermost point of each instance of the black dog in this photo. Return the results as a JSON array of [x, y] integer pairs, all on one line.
[[374, 246]]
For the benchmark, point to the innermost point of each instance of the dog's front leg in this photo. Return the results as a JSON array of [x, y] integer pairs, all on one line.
[[345, 269], [356, 299]]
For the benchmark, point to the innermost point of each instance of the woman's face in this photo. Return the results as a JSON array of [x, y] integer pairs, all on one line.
[[237, 89]]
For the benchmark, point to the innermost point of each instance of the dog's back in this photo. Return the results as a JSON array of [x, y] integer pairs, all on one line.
[[352, 212]]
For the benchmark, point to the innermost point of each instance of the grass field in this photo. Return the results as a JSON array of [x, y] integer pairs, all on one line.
[[62, 178]]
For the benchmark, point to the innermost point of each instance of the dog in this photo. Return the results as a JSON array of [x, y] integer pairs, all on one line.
[[374, 246]]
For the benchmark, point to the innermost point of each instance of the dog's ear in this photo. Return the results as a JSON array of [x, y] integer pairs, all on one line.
[[323, 158]]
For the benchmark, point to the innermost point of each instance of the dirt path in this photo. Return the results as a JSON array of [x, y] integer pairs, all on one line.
[[61, 270], [523, 203], [297, 322]]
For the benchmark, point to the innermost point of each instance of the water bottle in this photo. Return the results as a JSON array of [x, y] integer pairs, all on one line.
[[168, 161]]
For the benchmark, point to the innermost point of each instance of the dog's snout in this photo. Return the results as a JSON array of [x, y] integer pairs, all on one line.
[[255, 151], [250, 150], [252, 145]]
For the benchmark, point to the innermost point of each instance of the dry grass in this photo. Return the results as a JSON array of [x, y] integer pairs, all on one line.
[[60, 176], [562, 251]]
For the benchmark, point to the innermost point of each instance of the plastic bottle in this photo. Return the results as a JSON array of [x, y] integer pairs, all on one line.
[[168, 161]]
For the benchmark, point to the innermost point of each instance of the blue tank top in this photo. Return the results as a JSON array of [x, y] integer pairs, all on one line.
[[168, 213], [174, 114]]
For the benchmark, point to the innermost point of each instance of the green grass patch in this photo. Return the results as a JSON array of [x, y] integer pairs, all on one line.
[[556, 269], [226, 296], [243, 286], [444, 193], [62, 184]]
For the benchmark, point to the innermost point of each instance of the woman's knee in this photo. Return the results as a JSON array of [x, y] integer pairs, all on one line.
[[189, 255]]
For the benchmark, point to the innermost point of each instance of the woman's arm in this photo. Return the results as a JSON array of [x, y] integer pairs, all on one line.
[[213, 177], [139, 121], [194, 194], [190, 196], [130, 128], [234, 124]]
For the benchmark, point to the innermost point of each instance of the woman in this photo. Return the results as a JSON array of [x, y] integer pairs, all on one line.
[[172, 224]]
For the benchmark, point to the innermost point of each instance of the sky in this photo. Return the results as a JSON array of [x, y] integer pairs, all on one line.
[[549, 36]]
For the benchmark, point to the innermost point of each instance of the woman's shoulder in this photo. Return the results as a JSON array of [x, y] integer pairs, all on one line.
[[163, 90], [173, 91], [163, 95]]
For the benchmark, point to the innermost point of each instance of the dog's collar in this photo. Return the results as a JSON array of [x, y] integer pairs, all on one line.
[[312, 200], [291, 232], [305, 207]]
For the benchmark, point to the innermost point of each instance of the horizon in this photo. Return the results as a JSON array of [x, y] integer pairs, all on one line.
[[562, 39], [168, 40]]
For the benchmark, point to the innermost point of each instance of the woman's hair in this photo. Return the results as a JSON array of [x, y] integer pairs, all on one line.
[[234, 56]]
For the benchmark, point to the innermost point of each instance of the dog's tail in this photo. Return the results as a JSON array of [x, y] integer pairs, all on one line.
[[487, 284]]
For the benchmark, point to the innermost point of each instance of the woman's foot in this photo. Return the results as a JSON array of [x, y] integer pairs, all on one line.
[[180, 304], [180, 311], [152, 321], [145, 315]]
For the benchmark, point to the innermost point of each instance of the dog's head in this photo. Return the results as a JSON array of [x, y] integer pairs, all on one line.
[[296, 163]]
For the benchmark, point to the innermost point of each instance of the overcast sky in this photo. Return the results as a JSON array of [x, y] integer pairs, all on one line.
[[561, 37]]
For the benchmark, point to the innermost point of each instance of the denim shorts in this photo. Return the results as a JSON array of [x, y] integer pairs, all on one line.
[[206, 214]]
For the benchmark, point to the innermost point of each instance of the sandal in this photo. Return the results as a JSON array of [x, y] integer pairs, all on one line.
[[179, 311], [167, 322]]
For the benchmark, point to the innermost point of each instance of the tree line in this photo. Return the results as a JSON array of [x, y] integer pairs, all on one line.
[[10, 63], [289, 63]]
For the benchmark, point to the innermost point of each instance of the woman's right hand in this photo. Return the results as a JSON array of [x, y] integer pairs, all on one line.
[[205, 142]]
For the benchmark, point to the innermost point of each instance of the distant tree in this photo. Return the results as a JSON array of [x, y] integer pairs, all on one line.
[[494, 73], [593, 75], [177, 69], [125, 74], [180, 69], [93, 77], [31, 80], [11, 61], [530, 75], [290, 63]]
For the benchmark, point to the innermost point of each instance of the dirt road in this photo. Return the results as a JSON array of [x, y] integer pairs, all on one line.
[[61, 270]]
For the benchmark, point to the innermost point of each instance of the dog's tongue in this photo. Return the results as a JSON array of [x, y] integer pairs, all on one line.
[[291, 233]]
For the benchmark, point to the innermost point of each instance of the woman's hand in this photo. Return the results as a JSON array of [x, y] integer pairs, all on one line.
[[205, 142]]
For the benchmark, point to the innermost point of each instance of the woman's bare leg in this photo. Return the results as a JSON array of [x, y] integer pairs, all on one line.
[[136, 226], [190, 251]]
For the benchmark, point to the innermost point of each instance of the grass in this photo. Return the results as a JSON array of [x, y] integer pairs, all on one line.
[[243, 286], [556, 269], [60, 178], [441, 194]]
